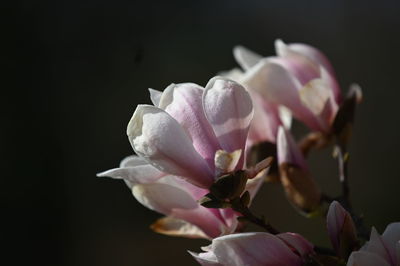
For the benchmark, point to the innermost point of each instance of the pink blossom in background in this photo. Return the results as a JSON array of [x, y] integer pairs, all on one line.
[[300, 77]]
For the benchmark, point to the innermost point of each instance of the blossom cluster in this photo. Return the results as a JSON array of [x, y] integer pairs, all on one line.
[[202, 154]]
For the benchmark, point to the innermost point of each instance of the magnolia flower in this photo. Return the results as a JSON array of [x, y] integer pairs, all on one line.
[[382, 250], [187, 140], [300, 78], [182, 132], [254, 249], [341, 229], [300, 188], [177, 199]]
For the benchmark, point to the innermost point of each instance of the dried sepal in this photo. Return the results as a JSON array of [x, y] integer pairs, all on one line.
[[301, 190], [344, 118], [229, 186]]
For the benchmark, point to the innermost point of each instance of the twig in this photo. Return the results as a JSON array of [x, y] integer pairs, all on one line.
[[238, 206]]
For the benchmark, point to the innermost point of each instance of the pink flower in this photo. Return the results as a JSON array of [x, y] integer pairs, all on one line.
[[189, 138], [254, 249], [300, 78], [177, 199], [182, 133], [341, 229], [300, 188], [382, 250]]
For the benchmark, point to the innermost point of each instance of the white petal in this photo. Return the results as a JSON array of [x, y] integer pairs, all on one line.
[[391, 238], [157, 137], [195, 191], [162, 197], [206, 258], [362, 258], [245, 58], [132, 161], [315, 94], [286, 116], [234, 74], [155, 96], [229, 110], [134, 175], [377, 246], [134, 170]]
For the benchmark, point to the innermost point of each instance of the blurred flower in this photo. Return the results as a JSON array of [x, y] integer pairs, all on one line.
[[254, 249], [300, 188], [341, 229], [268, 116], [300, 78], [176, 198], [379, 250]]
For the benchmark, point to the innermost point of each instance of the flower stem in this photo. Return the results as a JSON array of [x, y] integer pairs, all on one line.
[[238, 206], [342, 157]]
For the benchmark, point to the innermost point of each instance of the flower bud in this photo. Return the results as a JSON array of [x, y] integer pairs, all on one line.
[[341, 229]]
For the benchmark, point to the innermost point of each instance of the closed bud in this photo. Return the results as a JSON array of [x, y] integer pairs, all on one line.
[[342, 231]]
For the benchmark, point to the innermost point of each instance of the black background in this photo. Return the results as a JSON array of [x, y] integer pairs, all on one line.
[[75, 70]]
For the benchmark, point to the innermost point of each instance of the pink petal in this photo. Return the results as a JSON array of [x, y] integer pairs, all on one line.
[[157, 137], [229, 110], [253, 249], [313, 55], [266, 120], [299, 243], [339, 222], [203, 218], [288, 151], [335, 220], [184, 103]]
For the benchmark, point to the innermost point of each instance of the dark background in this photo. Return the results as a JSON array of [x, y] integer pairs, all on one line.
[[77, 69]]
